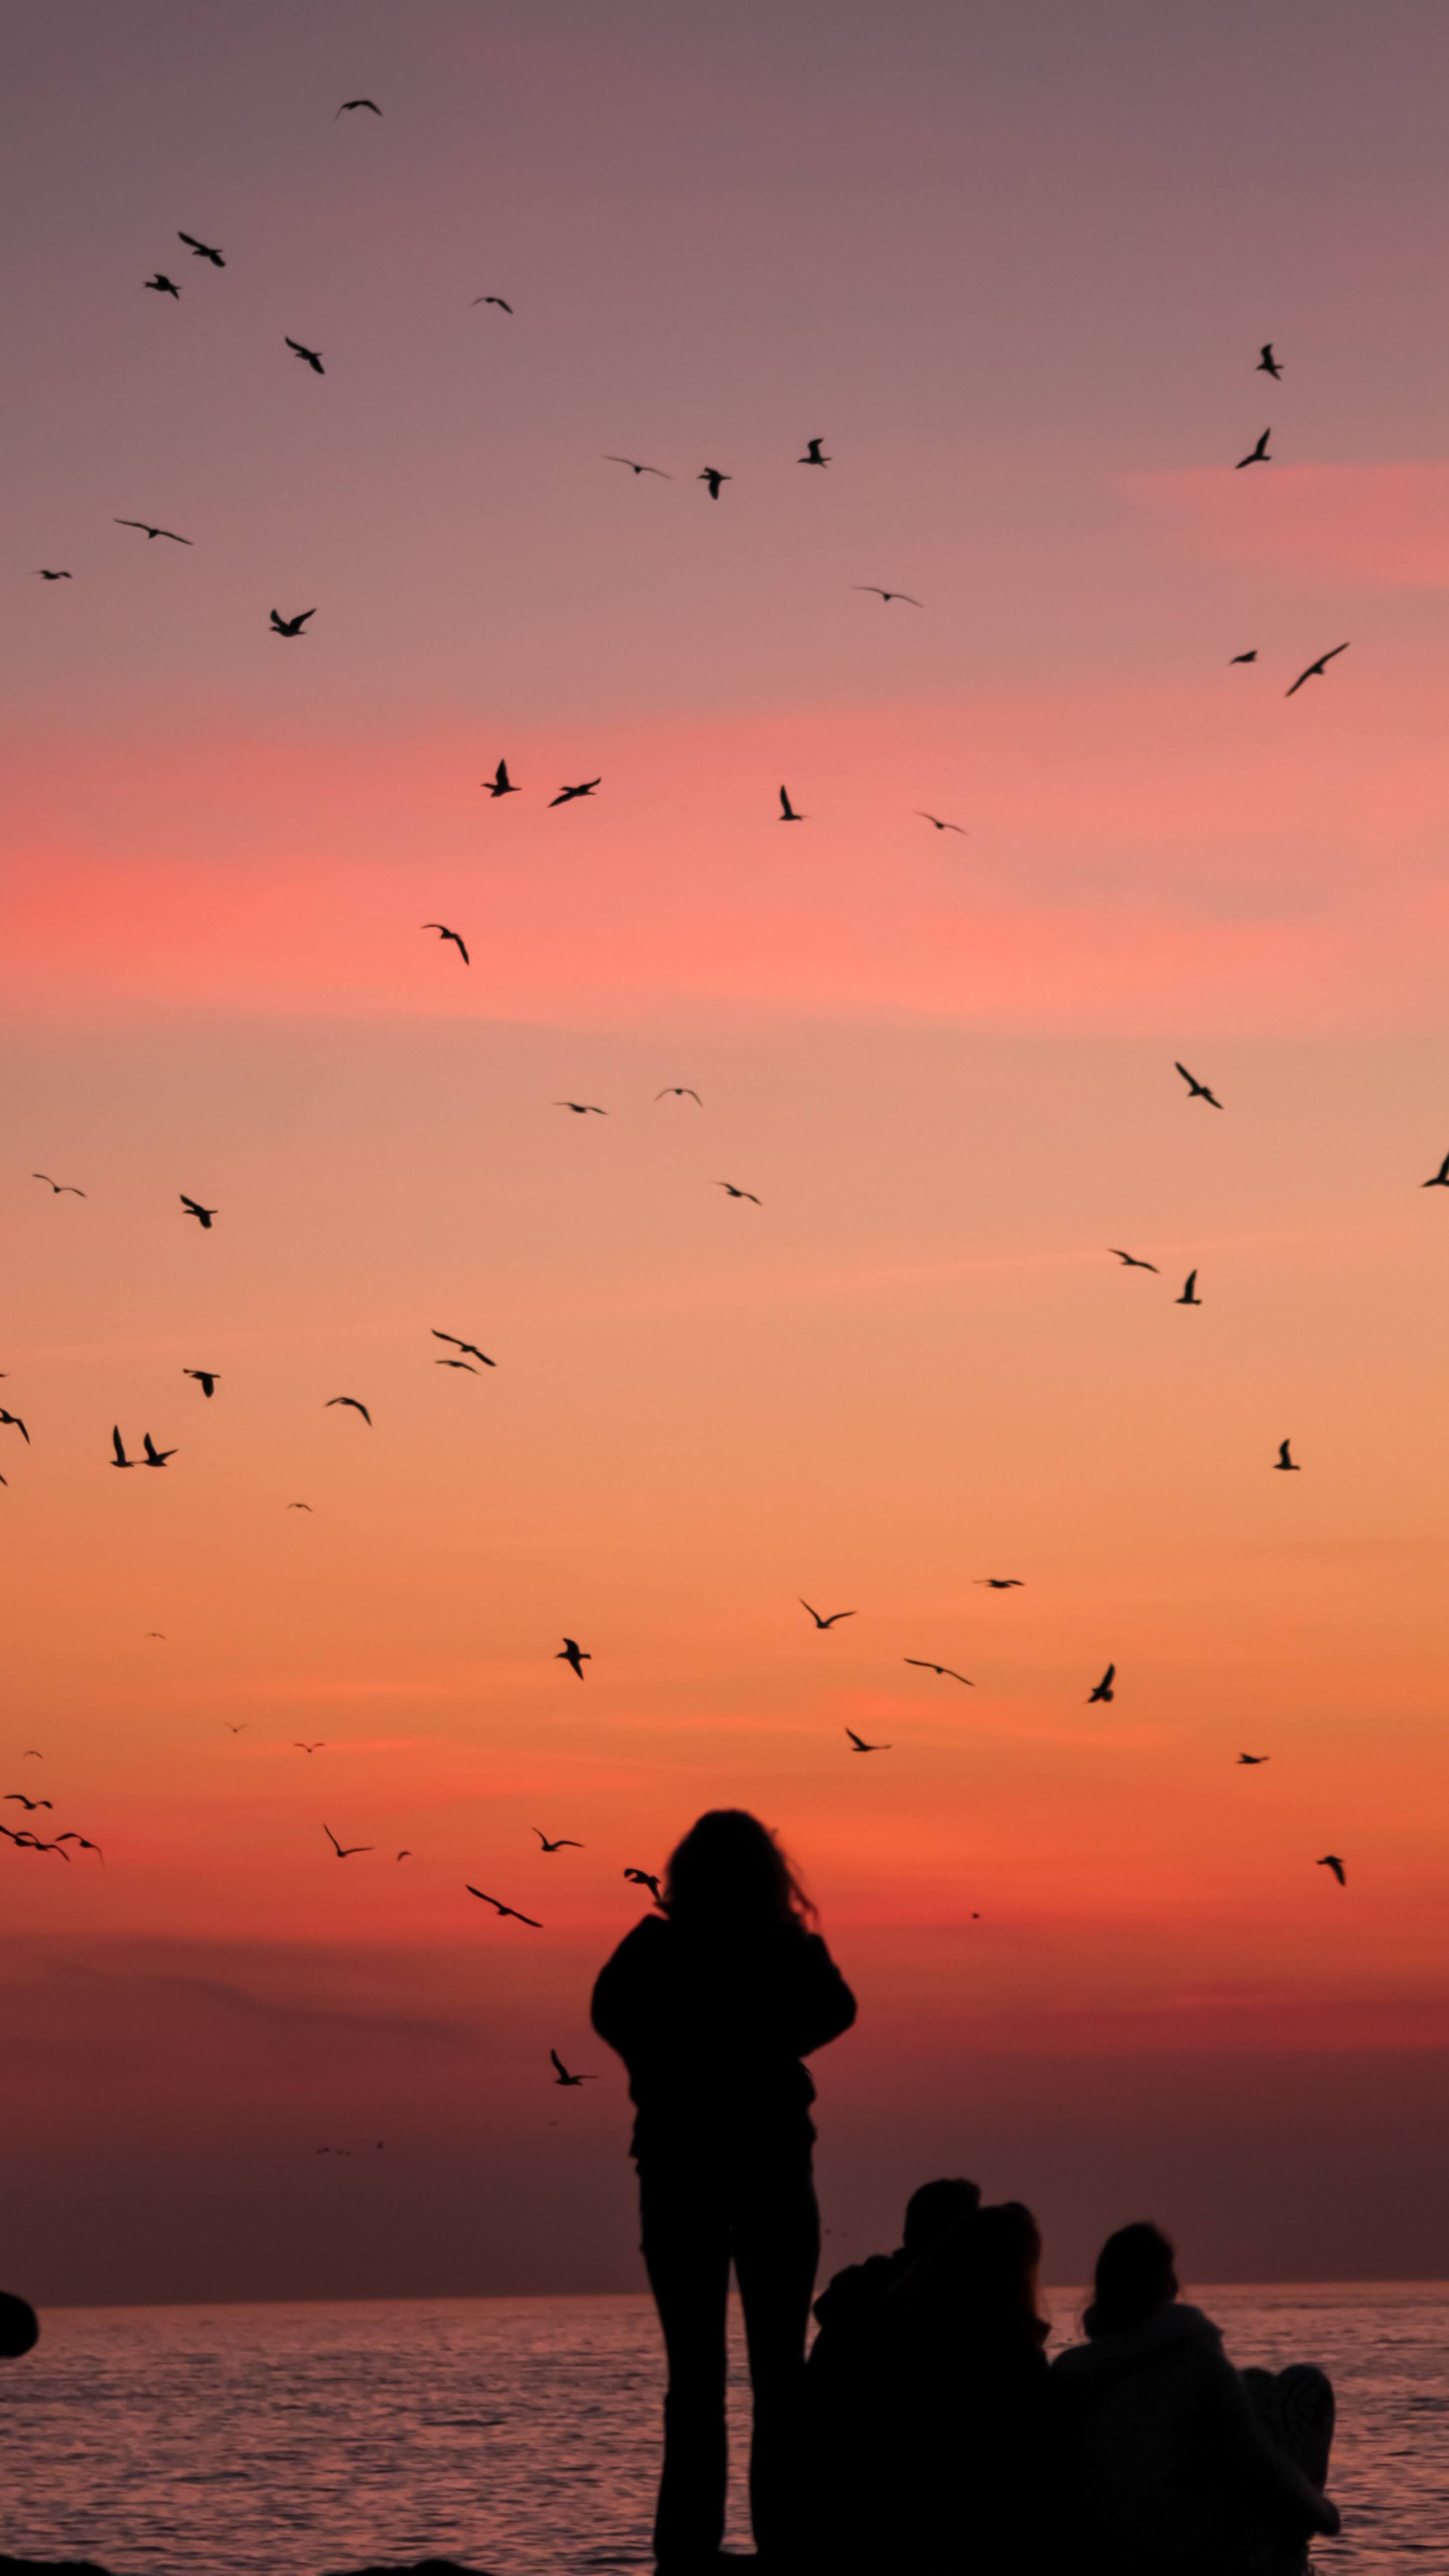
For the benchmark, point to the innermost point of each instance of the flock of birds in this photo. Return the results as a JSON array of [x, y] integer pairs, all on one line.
[[467, 1356]]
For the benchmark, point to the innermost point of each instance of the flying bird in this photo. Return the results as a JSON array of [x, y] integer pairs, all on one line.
[[858, 1743], [1438, 1180], [155, 1457], [940, 826], [310, 357], [402, 1855], [319, 1747], [43, 573], [18, 1798], [713, 477], [563, 2076], [1189, 1295], [30, 1842], [120, 1459], [1001, 1582], [1252, 1759], [1243, 657], [1104, 1686], [470, 1349], [202, 250], [1268, 365], [501, 1909], [349, 103], [638, 469], [290, 625], [1283, 1464], [500, 784], [834, 1615], [1130, 1261], [1258, 455], [494, 299], [32, 1753], [1331, 1861], [457, 1364], [787, 810], [1195, 1090], [205, 1379], [161, 284], [299, 1507], [203, 1215], [235, 1730], [82, 1842], [812, 455], [1316, 669], [580, 1108], [563, 1843], [573, 1655], [62, 1189], [677, 1091], [645, 1878], [568, 795], [445, 933], [148, 531], [354, 1401], [15, 1424], [945, 1670], [888, 595], [345, 1851], [739, 1194]]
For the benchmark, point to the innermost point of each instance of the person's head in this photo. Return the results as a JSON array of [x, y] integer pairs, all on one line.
[[935, 2209], [1135, 2276], [19, 2327], [730, 1875], [1005, 2243]]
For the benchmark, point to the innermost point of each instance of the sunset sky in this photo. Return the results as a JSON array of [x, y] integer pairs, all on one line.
[[1014, 265]]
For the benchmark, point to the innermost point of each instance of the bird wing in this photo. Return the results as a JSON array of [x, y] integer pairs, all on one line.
[[857, 1740], [558, 2062], [332, 1838], [118, 1445]]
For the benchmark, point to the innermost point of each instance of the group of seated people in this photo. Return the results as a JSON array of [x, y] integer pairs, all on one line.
[[939, 2438]]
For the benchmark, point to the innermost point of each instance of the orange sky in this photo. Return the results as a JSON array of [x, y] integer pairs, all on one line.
[[945, 1065]]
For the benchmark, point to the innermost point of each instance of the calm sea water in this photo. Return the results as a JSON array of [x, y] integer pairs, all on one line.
[[520, 2435]]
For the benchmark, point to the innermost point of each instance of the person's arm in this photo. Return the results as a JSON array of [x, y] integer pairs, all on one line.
[[821, 2004], [623, 1992]]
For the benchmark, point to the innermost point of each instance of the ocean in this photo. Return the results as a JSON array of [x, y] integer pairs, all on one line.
[[521, 2435]]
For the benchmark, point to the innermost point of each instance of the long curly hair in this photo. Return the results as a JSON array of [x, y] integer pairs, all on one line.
[[729, 1873]]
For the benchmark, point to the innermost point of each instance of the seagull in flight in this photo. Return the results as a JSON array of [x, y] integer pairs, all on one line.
[[834, 1615], [18, 1798], [117, 1443], [739, 1194], [580, 1108], [1243, 657], [202, 250], [82, 1842], [148, 531], [457, 1364], [470, 1349], [677, 1091], [500, 784], [44, 574], [940, 826], [62, 1189], [945, 1670], [787, 810], [1252, 1759], [573, 1655], [645, 1878], [1438, 1180], [568, 795], [1001, 1582], [15, 1424], [1316, 669], [290, 625], [345, 1851], [1267, 364], [503, 307], [1258, 455], [812, 455], [226, 1721], [888, 595], [563, 2076], [638, 469], [713, 477], [444, 933], [1104, 1686], [1283, 1465], [310, 357], [1331, 1861], [161, 284], [155, 1457], [299, 1507], [205, 1379], [203, 1215], [1189, 1295], [858, 1743], [563, 1843], [502, 1910], [1195, 1090], [349, 103], [1130, 1261], [354, 1401], [319, 1747]]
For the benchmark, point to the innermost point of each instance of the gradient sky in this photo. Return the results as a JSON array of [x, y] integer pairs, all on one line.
[[1015, 266]]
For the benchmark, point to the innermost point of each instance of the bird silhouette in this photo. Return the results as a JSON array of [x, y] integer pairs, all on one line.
[[563, 1842], [1000, 1582], [155, 1457], [573, 1655], [61, 1189], [456, 1364], [940, 826], [1331, 1861], [202, 250], [349, 104], [638, 469], [1438, 1180], [503, 307], [290, 625], [470, 1350], [563, 2076], [299, 1507], [120, 1459], [346, 1851], [32, 1842], [1196, 1090], [739, 1194], [1258, 455], [82, 1843], [161, 284], [43, 573], [500, 1909], [1267, 364], [1189, 1295], [354, 1401], [1130, 1261], [1243, 657], [787, 811], [148, 531], [812, 455], [235, 1730], [946, 1671], [18, 1798], [310, 357], [320, 1746], [581, 1108], [713, 477], [834, 1615], [1283, 1464], [1316, 669], [1104, 1686], [678, 1091], [888, 595], [646, 1878], [402, 1855], [500, 784], [1251, 1760], [445, 933], [203, 1215], [858, 1743], [205, 1379], [14, 1423], [570, 795]]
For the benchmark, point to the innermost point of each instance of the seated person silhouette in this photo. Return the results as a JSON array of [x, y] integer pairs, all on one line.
[[19, 2327], [1178, 2464], [848, 2309]]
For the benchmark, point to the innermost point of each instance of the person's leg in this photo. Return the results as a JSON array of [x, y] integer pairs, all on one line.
[[777, 2249], [1295, 2408], [687, 2255]]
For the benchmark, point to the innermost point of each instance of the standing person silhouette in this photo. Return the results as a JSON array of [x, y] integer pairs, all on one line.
[[712, 2003]]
